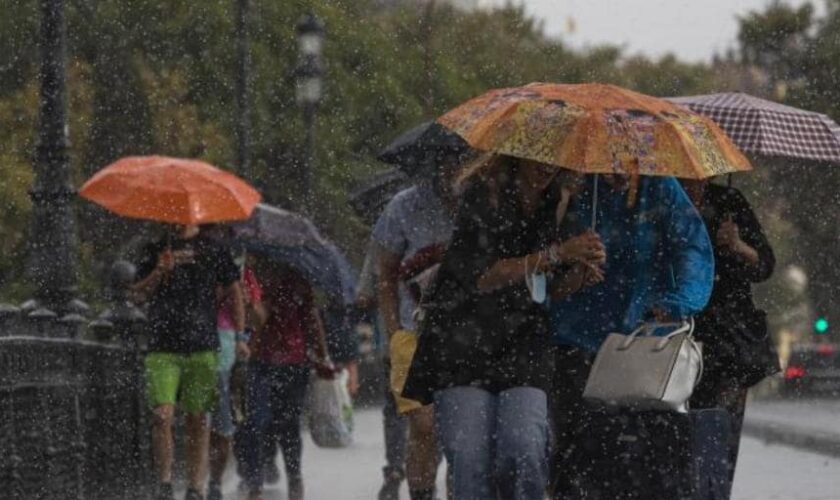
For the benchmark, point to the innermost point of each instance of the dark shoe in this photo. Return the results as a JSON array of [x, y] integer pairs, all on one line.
[[214, 491], [422, 494], [271, 473], [255, 495], [295, 488], [391, 487], [165, 492], [193, 495]]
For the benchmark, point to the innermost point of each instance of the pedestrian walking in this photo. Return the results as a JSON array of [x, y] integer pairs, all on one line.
[[659, 267], [484, 354], [233, 346], [178, 276], [416, 222], [278, 376], [737, 349], [394, 425]]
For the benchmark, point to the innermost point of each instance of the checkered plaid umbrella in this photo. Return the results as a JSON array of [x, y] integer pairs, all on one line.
[[767, 128]]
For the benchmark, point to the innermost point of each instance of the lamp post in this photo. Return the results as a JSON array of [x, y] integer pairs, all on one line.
[[310, 34], [243, 61], [53, 261]]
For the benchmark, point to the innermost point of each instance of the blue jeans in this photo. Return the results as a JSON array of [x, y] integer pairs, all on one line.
[[496, 444], [274, 406]]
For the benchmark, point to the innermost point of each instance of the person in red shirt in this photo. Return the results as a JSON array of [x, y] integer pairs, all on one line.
[[278, 375]]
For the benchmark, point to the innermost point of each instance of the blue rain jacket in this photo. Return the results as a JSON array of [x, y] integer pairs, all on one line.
[[658, 255]]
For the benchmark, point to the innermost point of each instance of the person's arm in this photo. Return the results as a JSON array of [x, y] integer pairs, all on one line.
[[319, 335], [585, 248], [145, 287], [235, 298], [388, 290], [690, 254], [743, 237]]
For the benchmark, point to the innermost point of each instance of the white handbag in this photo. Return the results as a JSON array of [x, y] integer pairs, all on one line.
[[645, 371]]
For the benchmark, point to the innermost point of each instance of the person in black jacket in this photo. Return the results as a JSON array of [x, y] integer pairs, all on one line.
[[483, 354], [732, 329]]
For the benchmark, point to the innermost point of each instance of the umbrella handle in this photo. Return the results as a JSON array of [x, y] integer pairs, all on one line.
[[595, 202]]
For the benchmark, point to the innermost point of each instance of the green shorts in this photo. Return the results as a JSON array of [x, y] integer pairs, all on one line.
[[188, 379]]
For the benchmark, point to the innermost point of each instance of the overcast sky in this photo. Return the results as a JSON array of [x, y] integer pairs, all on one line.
[[692, 29]]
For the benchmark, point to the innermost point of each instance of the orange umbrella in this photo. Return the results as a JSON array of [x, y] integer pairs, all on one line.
[[172, 190], [597, 129]]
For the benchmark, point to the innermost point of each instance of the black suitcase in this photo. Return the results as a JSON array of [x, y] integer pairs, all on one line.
[[623, 454]]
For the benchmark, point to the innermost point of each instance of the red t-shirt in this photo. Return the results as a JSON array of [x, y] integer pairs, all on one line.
[[283, 338]]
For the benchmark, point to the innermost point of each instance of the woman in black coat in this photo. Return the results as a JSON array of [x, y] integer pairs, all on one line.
[[484, 356], [737, 349]]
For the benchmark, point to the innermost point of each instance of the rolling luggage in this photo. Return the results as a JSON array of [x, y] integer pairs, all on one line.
[[624, 454]]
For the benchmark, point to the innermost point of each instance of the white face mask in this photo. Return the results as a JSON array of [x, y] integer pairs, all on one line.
[[536, 284]]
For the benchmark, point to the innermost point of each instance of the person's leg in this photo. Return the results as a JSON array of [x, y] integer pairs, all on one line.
[[521, 464], [199, 394], [395, 428], [466, 418], [163, 374], [422, 460], [291, 393], [221, 437], [257, 418], [735, 402]]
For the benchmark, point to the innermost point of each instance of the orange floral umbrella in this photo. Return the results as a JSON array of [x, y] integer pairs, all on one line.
[[172, 190], [597, 129]]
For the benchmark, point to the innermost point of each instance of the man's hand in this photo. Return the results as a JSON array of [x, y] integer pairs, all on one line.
[[243, 352], [166, 261]]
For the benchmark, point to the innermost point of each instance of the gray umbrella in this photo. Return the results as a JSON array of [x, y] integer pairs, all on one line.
[[292, 239]]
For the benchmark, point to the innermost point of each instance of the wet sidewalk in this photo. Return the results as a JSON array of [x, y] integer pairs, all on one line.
[[808, 424]]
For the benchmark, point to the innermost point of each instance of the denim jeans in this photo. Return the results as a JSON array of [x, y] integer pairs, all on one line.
[[496, 444], [275, 402]]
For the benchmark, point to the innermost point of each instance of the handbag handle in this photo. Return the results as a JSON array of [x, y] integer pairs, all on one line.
[[679, 327]]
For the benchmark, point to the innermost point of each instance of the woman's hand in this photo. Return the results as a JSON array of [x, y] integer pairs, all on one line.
[[728, 235], [592, 275], [585, 248]]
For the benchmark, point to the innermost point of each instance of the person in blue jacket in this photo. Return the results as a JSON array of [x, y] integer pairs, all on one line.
[[660, 266]]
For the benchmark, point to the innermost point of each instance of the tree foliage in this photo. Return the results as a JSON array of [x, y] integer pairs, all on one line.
[[157, 76]]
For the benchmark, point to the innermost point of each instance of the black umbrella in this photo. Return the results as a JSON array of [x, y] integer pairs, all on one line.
[[422, 146], [370, 195]]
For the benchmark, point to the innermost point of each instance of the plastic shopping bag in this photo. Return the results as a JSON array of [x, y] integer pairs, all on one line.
[[331, 412]]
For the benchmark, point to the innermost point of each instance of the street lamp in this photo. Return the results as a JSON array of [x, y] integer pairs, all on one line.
[[309, 89], [53, 263]]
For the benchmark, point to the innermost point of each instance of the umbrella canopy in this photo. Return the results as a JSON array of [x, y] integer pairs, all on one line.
[[371, 195], [292, 239], [768, 128], [171, 190], [420, 146], [596, 128]]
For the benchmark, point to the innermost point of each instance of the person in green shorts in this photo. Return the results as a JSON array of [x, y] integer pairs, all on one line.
[[178, 277]]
